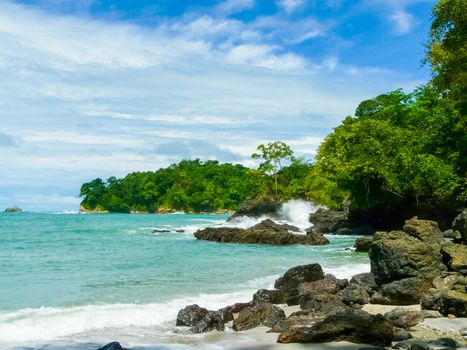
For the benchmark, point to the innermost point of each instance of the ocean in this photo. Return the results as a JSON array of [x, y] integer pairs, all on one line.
[[79, 281]]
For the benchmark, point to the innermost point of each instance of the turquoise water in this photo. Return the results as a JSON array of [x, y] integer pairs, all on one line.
[[98, 274]]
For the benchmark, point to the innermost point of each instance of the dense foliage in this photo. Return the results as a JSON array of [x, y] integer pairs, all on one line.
[[191, 186], [398, 149]]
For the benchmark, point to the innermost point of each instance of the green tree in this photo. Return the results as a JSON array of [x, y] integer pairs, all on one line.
[[273, 155]]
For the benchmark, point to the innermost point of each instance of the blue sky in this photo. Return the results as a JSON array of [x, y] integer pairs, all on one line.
[[94, 88]]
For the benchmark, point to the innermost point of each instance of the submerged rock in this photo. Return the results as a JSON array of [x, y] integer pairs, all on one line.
[[352, 326], [266, 232]]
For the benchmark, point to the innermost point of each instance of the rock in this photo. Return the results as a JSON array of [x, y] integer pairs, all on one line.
[[353, 326], [322, 305], [191, 315], [401, 334], [212, 320], [363, 244], [329, 284], [258, 207], [272, 296], [229, 311], [160, 230], [404, 318], [449, 234], [292, 321], [262, 314], [289, 282], [328, 221], [460, 225], [14, 209], [446, 302], [405, 266], [112, 346], [354, 295], [455, 257], [424, 230], [266, 232], [431, 314], [411, 345], [444, 342], [367, 281]]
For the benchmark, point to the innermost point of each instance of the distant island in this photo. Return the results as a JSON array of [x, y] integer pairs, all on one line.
[[14, 209]]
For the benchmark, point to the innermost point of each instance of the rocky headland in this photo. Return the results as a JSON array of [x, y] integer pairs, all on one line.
[[14, 209]]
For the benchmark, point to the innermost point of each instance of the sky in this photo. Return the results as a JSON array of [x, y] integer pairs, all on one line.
[[95, 88]]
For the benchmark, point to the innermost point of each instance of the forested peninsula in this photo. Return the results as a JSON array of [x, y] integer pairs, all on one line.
[[400, 152]]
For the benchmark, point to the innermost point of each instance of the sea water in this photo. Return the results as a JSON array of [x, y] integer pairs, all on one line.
[[79, 281]]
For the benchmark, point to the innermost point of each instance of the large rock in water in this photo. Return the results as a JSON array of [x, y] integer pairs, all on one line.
[[191, 315], [352, 326], [257, 208], [328, 221], [112, 346], [405, 263], [266, 232], [288, 284]]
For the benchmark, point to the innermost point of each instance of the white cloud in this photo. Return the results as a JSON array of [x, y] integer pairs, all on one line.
[[290, 6], [403, 21], [92, 99]]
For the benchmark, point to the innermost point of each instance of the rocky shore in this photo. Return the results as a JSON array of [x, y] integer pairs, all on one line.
[[415, 265]]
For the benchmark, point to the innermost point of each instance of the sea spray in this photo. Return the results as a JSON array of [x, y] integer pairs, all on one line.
[[297, 212]]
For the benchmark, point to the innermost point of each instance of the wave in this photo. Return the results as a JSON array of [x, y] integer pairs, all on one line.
[[47, 324]]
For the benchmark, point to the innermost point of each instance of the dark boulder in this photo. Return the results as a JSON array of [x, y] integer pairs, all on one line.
[[112, 346], [354, 295], [450, 302], [229, 311], [353, 326], [329, 284], [257, 208], [404, 266], [401, 334], [213, 320], [289, 282], [363, 244], [266, 232], [365, 280], [328, 221], [322, 305], [404, 318], [460, 225], [262, 314], [272, 296], [191, 315]]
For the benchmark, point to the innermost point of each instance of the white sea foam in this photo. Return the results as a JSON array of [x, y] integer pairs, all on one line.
[[347, 271], [58, 323]]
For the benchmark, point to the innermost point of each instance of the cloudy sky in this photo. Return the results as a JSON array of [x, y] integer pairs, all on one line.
[[94, 88]]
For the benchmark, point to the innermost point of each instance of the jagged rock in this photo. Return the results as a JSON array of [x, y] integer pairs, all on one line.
[[262, 314], [363, 244], [272, 296], [289, 282], [328, 221], [293, 321], [353, 326], [266, 232], [404, 318], [404, 266], [13, 210], [424, 230], [322, 303], [229, 311], [354, 295], [258, 207], [367, 281], [455, 257], [460, 225], [191, 315], [112, 346], [446, 302], [212, 320]]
